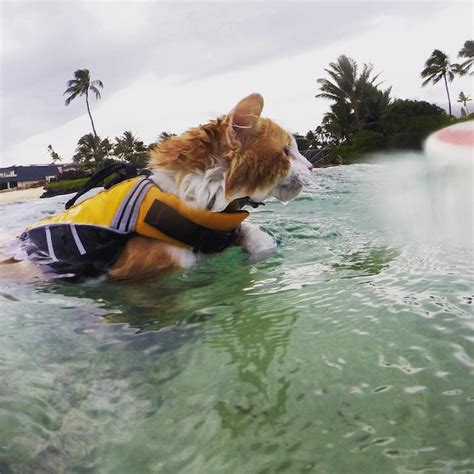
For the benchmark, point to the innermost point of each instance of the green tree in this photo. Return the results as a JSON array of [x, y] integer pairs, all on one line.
[[373, 107], [301, 141], [438, 67], [363, 143], [81, 85], [322, 137], [339, 122], [357, 99], [347, 85], [129, 148], [165, 136], [406, 123], [93, 152], [314, 139], [467, 51], [464, 99], [54, 156], [317, 138]]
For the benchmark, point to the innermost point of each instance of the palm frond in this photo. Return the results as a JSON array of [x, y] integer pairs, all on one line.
[[81, 84], [72, 83], [82, 75], [72, 96], [463, 68], [467, 50], [426, 82], [95, 91], [98, 83]]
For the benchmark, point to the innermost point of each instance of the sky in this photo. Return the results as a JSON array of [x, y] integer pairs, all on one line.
[[169, 66]]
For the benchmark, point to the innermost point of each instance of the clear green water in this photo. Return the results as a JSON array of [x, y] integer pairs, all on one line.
[[349, 350]]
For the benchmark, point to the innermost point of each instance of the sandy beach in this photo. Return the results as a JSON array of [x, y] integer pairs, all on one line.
[[20, 195]]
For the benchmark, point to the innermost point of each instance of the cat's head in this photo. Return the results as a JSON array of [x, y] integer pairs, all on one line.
[[267, 161], [238, 155]]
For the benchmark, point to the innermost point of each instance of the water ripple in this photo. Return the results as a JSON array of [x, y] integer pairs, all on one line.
[[347, 350]]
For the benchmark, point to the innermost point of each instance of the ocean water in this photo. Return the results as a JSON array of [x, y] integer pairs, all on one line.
[[350, 349]]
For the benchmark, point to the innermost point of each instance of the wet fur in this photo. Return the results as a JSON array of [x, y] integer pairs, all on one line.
[[251, 161]]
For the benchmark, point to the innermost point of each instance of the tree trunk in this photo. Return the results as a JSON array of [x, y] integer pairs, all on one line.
[[355, 107], [96, 139], [90, 115], [447, 92]]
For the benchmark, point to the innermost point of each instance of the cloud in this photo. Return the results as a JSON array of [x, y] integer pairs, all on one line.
[[43, 43], [172, 66]]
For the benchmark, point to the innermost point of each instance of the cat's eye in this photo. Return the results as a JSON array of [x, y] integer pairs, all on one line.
[[286, 151]]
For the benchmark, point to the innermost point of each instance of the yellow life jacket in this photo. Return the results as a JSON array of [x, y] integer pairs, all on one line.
[[94, 231]]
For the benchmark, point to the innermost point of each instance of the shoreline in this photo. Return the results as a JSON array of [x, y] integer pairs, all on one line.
[[20, 195]]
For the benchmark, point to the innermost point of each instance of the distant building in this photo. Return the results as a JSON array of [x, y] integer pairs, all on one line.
[[27, 176], [62, 167]]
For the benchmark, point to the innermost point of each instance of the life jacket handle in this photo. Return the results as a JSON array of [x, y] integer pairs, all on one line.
[[123, 170]]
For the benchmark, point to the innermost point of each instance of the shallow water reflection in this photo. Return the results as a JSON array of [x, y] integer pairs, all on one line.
[[350, 349]]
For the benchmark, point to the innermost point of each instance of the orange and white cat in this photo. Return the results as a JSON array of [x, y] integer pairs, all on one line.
[[210, 167]]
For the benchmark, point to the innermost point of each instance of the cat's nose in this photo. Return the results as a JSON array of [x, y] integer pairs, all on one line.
[[310, 167]]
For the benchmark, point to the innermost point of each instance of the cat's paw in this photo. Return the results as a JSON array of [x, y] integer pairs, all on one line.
[[255, 241]]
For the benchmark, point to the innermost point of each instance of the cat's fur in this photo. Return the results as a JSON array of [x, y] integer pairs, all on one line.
[[208, 167]]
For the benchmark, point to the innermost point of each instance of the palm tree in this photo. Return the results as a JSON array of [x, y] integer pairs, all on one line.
[[375, 104], [464, 99], [467, 51], [347, 85], [163, 136], [129, 148], [358, 102], [92, 152], [339, 122], [81, 85], [438, 67], [322, 137], [54, 156]]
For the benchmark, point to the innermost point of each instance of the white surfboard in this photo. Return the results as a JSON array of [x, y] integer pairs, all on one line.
[[454, 143]]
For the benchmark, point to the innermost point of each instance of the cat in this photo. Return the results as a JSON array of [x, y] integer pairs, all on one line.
[[190, 205], [211, 167]]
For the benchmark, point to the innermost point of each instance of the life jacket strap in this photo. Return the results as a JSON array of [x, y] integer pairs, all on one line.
[[170, 222], [240, 203], [123, 171]]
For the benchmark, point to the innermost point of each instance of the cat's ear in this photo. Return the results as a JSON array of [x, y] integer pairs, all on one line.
[[245, 114]]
